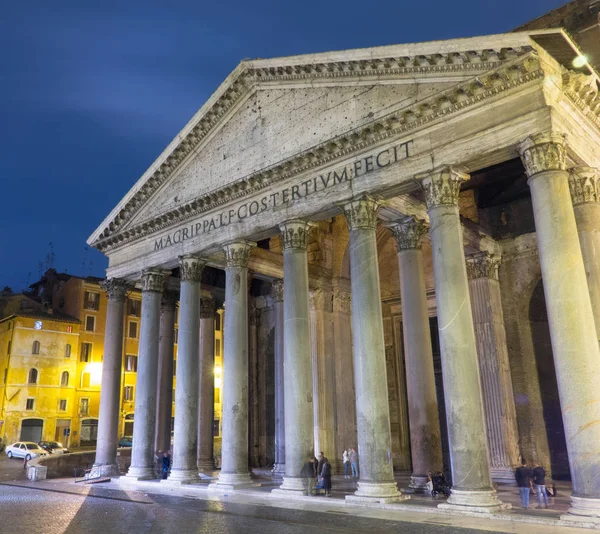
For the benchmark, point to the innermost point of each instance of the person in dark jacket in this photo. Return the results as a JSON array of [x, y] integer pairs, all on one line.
[[308, 474], [166, 464], [325, 475], [539, 482], [523, 477]]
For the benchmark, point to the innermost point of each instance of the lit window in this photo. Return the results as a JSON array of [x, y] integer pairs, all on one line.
[[35, 348], [86, 352], [131, 362], [90, 323], [29, 404], [64, 379], [37, 325], [134, 307], [91, 301], [62, 405], [70, 329], [67, 350], [133, 329], [84, 406], [33, 376], [128, 393]]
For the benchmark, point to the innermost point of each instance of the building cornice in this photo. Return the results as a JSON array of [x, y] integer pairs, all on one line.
[[523, 67]]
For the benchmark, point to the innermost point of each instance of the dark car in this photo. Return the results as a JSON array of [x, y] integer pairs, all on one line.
[[125, 441], [53, 447]]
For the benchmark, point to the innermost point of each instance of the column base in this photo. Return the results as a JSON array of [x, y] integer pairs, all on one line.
[[583, 510], [278, 471], [478, 501], [232, 481], [104, 470], [140, 473], [178, 477], [376, 492], [292, 487], [503, 475], [418, 485], [206, 469]]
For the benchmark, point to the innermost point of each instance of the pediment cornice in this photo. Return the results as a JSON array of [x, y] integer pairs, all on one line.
[[523, 68]]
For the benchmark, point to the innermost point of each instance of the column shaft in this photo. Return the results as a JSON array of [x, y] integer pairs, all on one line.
[[185, 435], [277, 294], [108, 417], [144, 427], [206, 400]]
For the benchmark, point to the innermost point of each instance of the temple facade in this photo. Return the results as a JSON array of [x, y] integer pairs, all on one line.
[[404, 242]]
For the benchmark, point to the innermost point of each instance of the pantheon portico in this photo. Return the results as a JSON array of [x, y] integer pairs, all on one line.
[[408, 238]]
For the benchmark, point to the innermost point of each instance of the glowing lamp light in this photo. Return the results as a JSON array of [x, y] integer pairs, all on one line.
[[580, 61], [217, 376], [95, 370]]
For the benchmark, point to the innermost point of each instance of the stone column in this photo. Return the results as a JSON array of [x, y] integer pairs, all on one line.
[[376, 481], [277, 295], [234, 449], [425, 440], [164, 400], [584, 183], [144, 426], [185, 435], [253, 389], [570, 316], [472, 486], [206, 398], [297, 364], [110, 396], [494, 367]]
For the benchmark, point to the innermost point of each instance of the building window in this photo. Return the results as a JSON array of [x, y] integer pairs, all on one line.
[[67, 350], [134, 307], [217, 347], [35, 348], [8, 346], [29, 404], [131, 363], [37, 325], [64, 378], [85, 380], [62, 405], [128, 393], [70, 329], [217, 321], [33, 376], [176, 336], [86, 352], [90, 323], [84, 406], [217, 395], [133, 329], [174, 367], [91, 301]]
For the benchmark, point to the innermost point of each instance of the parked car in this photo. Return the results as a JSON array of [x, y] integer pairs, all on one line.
[[125, 441], [25, 449], [53, 447]]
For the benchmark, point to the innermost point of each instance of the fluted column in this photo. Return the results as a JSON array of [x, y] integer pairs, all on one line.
[[185, 435], [570, 316], [206, 398], [584, 183], [277, 295], [144, 427], [494, 367], [425, 440], [234, 449], [164, 401], [253, 389], [376, 481], [110, 392], [297, 364], [472, 485]]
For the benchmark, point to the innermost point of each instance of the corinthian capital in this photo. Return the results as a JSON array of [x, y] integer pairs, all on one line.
[[361, 212], [442, 186], [482, 265], [321, 300], [169, 299], [207, 308], [153, 280], [237, 253], [190, 268], [116, 289], [543, 152], [409, 232], [294, 234], [342, 301], [277, 290], [584, 183]]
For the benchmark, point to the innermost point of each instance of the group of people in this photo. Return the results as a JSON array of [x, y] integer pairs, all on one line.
[[318, 469], [350, 460], [530, 480]]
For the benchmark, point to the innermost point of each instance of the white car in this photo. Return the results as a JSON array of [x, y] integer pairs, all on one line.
[[25, 449]]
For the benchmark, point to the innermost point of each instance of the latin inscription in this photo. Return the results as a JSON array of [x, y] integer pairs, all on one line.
[[323, 181]]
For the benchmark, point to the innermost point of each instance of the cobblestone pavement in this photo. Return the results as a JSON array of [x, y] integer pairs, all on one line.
[[28, 510]]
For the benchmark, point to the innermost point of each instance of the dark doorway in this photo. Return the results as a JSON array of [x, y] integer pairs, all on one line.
[[89, 432], [31, 430]]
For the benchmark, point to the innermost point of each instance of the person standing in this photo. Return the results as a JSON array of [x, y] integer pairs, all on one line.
[[325, 475], [539, 481], [166, 464], [346, 461], [354, 462], [308, 474], [523, 477]]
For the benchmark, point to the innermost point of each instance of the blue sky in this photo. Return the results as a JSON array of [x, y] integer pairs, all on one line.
[[92, 92]]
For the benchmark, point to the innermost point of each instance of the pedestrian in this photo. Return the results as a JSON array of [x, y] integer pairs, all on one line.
[[346, 461], [158, 462], [325, 475], [308, 474], [429, 485], [523, 477], [318, 465], [166, 464], [539, 482], [354, 462]]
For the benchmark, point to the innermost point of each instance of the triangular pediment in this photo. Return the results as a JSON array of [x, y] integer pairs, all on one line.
[[270, 117]]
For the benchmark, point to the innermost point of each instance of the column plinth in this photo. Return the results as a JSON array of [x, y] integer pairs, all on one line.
[[376, 471], [234, 449], [105, 463], [570, 317], [279, 466], [144, 428], [297, 364], [472, 486], [426, 444]]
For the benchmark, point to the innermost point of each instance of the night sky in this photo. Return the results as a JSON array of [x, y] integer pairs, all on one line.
[[92, 92]]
